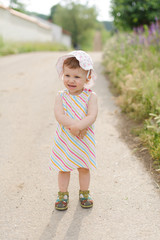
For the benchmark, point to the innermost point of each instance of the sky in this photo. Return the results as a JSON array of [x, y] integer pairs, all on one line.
[[44, 6]]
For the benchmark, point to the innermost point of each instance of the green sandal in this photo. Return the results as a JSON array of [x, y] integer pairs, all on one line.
[[85, 199], [62, 201]]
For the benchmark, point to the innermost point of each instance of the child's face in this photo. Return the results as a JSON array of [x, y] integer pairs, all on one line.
[[74, 79]]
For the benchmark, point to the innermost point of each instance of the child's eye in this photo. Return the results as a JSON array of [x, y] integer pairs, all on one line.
[[77, 77], [67, 75]]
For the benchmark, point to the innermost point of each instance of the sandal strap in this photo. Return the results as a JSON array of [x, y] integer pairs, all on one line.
[[84, 195], [63, 196]]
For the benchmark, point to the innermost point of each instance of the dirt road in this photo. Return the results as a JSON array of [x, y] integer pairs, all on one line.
[[126, 200], [97, 42]]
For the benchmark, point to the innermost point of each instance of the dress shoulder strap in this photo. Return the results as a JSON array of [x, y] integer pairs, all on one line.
[[87, 93], [62, 92]]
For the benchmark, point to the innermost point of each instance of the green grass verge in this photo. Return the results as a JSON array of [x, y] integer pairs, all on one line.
[[7, 48]]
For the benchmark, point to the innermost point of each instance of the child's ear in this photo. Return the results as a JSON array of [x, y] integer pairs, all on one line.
[[89, 78]]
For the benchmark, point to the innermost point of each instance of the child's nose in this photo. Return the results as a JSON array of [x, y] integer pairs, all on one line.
[[71, 79]]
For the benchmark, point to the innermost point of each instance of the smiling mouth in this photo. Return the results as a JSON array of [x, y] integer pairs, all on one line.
[[72, 86]]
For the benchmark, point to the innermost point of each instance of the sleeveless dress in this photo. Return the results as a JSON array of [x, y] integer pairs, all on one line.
[[70, 152]]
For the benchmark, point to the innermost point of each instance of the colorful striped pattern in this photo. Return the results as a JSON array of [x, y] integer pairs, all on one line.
[[70, 152]]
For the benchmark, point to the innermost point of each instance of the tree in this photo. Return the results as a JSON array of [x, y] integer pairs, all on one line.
[[53, 11], [17, 5], [75, 18], [133, 13]]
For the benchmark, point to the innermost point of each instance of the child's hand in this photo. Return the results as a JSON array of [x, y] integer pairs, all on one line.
[[74, 130], [82, 133]]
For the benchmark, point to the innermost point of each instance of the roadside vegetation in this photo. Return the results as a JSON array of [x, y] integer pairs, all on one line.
[[132, 63], [7, 48]]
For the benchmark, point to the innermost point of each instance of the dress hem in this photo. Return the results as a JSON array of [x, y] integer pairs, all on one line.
[[57, 170]]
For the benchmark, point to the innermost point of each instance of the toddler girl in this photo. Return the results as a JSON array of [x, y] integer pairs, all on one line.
[[75, 110]]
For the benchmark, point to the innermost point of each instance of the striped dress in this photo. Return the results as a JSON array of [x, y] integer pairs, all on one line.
[[70, 152]]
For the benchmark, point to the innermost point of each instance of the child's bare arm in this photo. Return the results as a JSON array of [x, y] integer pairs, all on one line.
[[91, 115], [60, 116]]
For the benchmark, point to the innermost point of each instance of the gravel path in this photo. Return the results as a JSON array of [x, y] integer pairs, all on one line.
[[126, 200]]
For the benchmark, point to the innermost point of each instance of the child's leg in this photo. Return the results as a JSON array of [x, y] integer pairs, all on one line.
[[63, 181], [84, 181], [84, 178], [63, 195]]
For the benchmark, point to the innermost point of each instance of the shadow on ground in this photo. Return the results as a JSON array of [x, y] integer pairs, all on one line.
[[50, 232]]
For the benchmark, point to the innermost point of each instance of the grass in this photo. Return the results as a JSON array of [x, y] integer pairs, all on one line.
[[7, 48], [134, 71]]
